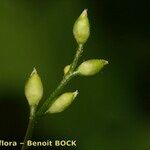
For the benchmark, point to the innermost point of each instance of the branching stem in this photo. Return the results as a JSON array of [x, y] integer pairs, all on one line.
[[62, 84], [41, 111]]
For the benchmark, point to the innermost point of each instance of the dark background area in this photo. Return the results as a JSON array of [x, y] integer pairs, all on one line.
[[112, 110]]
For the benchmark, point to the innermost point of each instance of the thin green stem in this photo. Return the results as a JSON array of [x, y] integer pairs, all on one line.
[[35, 114], [62, 84], [76, 58], [30, 128]]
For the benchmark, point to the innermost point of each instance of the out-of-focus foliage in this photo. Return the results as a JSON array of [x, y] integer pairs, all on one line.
[[112, 110]]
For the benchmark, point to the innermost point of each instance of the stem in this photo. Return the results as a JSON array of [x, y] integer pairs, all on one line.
[[62, 84], [76, 58], [30, 128], [34, 114]]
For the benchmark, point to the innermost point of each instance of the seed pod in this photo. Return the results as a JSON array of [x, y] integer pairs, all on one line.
[[62, 102], [34, 89], [66, 69], [81, 28], [91, 67]]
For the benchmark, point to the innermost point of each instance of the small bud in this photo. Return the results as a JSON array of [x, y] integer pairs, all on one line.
[[66, 69], [91, 67], [81, 29], [62, 102], [34, 89]]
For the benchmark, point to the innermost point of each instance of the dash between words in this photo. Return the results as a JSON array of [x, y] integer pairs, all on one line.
[[50, 143]]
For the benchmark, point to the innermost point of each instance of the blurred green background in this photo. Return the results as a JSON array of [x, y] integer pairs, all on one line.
[[112, 111]]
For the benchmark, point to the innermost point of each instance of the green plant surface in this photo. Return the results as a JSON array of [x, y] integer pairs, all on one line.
[[56, 103]]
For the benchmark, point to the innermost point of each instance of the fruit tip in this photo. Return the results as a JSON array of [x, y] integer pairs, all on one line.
[[34, 71], [84, 13], [76, 93]]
